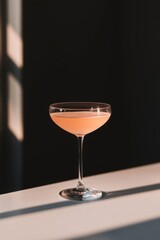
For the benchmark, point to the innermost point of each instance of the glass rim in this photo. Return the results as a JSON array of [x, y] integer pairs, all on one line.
[[80, 105]]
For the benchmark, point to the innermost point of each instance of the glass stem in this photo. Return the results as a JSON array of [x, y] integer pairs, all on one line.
[[80, 184]]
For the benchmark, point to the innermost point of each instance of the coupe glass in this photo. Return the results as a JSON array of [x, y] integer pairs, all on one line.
[[80, 119]]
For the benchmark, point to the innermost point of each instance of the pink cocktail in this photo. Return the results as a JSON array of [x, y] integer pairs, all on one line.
[[80, 119], [80, 123]]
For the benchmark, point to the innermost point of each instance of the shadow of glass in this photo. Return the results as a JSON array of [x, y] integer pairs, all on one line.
[[125, 192], [39, 208], [148, 230], [67, 203]]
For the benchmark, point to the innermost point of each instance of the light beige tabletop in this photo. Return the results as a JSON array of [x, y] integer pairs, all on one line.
[[130, 209]]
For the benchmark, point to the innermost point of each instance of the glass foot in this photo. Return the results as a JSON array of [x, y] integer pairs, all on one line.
[[77, 194]]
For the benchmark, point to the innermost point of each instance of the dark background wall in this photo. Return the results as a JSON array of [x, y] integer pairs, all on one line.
[[104, 51]]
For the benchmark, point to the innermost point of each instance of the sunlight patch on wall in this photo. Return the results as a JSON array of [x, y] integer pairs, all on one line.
[[14, 46], [14, 32], [15, 115]]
